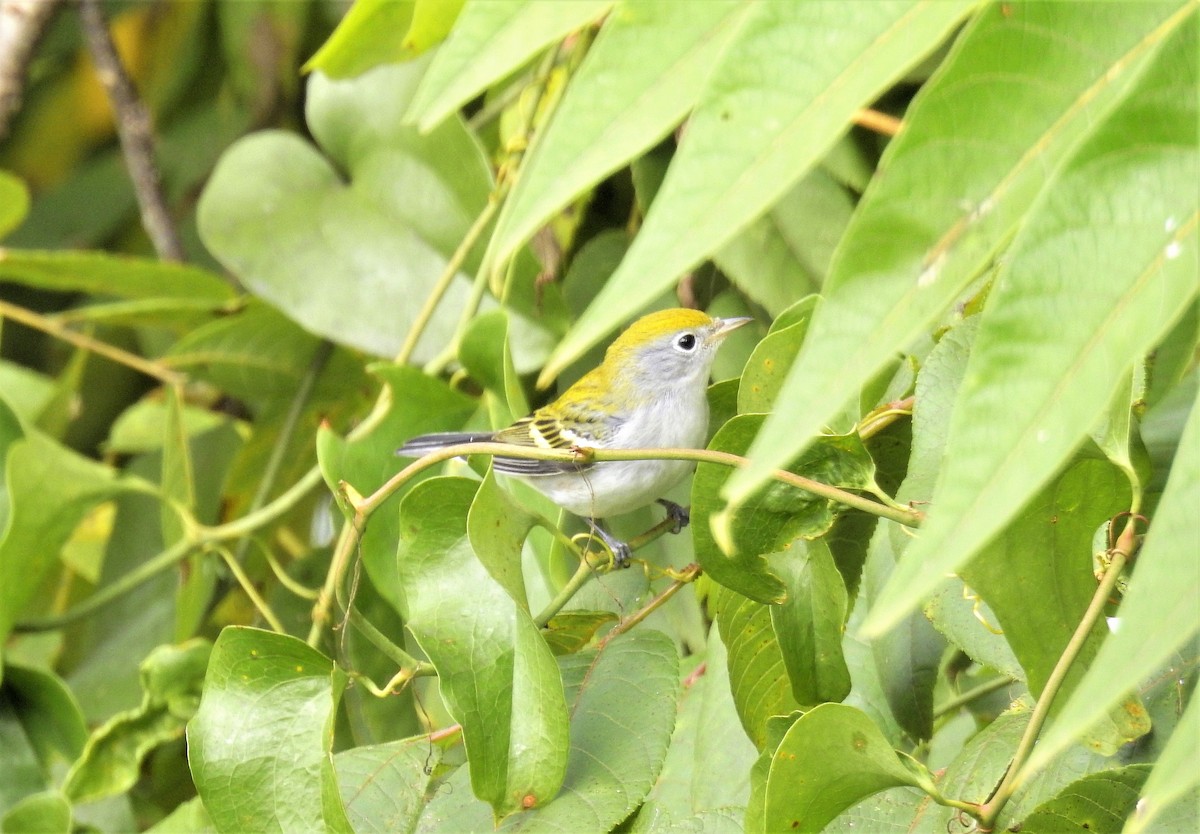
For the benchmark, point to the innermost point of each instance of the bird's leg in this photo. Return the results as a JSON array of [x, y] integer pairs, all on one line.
[[676, 513], [620, 551]]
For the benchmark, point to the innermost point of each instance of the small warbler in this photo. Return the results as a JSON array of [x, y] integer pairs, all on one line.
[[648, 393]]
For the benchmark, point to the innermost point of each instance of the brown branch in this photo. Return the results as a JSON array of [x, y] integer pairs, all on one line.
[[134, 128], [22, 23], [883, 123]]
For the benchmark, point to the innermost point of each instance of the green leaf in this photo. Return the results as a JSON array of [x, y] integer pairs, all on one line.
[[831, 758], [1043, 556], [141, 427], [384, 785], [369, 35], [385, 236], [638, 80], [189, 816], [14, 202], [497, 527], [908, 656], [99, 273], [498, 677], [1158, 613], [625, 700], [757, 673], [485, 355], [965, 173], [49, 489], [569, 631], [42, 813], [810, 623], [26, 393], [1098, 803], [490, 39], [786, 252], [266, 719], [419, 404], [750, 140], [111, 763], [780, 515], [1051, 374], [177, 481], [770, 362], [1174, 779]]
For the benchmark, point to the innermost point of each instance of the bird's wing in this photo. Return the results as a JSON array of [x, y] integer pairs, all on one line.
[[540, 431]]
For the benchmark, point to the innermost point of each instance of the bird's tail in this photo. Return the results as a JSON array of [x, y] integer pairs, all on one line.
[[426, 443]]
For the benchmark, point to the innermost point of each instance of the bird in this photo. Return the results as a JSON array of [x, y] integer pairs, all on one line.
[[650, 391]]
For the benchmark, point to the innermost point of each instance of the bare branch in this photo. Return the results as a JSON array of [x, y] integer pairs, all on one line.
[[134, 128], [21, 25]]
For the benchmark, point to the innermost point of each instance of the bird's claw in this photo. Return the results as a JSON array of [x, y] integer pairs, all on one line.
[[676, 513]]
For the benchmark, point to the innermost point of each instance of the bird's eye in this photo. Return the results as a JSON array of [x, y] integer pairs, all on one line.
[[686, 342]]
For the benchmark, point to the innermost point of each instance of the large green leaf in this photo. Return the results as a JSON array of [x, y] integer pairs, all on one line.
[[810, 623], [750, 138], [1158, 613], [352, 261], [832, 757], [954, 186], [259, 746], [1051, 352], [490, 39], [384, 785], [1098, 803], [625, 700], [639, 79], [497, 675], [42, 813], [117, 275], [758, 675]]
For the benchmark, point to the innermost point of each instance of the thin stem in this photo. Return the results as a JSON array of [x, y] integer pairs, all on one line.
[[879, 419], [907, 517], [974, 693], [687, 576], [164, 561], [176, 553], [281, 574], [582, 574], [393, 652], [134, 128], [80, 340], [248, 588], [351, 532], [879, 122], [1013, 777], [446, 278], [286, 431]]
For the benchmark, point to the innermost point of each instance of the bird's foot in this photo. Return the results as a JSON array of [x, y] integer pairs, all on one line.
[[676, 513], [621, 552]]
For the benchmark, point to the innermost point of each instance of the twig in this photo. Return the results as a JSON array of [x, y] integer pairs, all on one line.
[[907, 517], [22, 23], [879, 122], [134, 128], [250, 591], [79, 340], [990, 810], [687, 576], [974, 693]]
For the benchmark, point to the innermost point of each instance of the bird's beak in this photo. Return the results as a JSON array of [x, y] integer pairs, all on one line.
[[727, 326]]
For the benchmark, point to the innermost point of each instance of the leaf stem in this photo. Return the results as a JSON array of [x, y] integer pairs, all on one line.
[[447, 277], [248, 588], [582, 574], [80, 340], [687, 576], [972, 694], [990, 810]]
